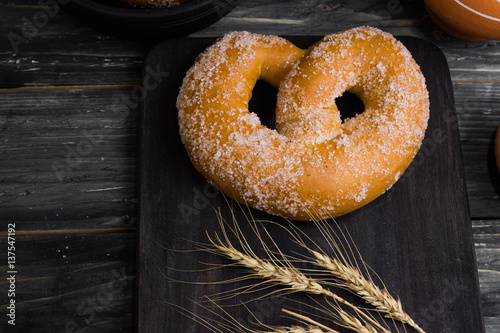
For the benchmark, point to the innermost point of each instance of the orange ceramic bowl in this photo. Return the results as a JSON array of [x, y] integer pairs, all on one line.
[[471, 20]]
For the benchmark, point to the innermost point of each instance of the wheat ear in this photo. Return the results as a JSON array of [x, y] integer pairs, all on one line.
[[292, 278], [352, 278]]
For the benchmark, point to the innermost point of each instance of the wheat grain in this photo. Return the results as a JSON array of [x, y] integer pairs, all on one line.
[[352, 278], [349, 276], [292, 278], [278, 270]]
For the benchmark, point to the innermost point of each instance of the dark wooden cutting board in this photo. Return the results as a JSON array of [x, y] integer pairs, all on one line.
[[417, 236]]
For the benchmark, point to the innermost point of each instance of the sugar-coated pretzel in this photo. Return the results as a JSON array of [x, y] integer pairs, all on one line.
[[313, 165]]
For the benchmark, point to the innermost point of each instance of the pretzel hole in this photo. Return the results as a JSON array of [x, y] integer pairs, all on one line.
[[263, 103], [349, 105]]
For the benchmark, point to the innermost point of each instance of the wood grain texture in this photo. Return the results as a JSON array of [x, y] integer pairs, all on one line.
[[487, 244], [58, 51], [71, 283], [92, 67], [478, 121], [64, 163]]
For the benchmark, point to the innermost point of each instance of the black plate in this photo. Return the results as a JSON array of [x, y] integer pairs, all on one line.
[[154, 23]]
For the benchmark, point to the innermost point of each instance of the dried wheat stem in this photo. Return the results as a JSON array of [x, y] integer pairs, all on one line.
[[317, 325], [297, 329], [372, 294], [291, 277], [347, 319]]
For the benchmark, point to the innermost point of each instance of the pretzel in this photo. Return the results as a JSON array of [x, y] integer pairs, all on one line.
[[313, 165]]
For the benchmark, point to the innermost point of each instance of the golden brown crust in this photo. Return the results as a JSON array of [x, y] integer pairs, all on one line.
[[312, 166]]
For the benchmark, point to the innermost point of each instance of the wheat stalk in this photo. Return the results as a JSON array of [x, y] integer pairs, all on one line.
[[277, 269], [346, 320], [350, 277], [292, 278], [366, 289], [297, 329]]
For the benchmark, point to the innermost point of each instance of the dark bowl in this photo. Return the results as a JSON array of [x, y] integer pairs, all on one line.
[[149, 23]]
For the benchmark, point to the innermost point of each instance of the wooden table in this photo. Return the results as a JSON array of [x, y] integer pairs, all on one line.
[[69, 152]]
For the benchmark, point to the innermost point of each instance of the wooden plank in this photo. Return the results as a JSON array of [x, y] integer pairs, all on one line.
[[70, 283], [407, 233], [68, 156], [76, 54], [487, 243], [478, 120]]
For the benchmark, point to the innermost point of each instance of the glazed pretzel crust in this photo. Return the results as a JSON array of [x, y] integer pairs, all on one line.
[[313, 165]]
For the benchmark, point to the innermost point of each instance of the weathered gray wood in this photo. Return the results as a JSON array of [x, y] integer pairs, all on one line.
[[71, 283], [479, 116], [67, 155], [59, 51], [487, 242]]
